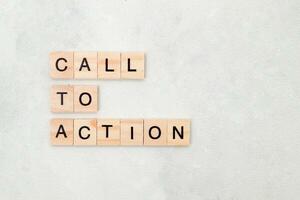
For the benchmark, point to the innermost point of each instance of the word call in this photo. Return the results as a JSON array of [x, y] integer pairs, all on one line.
[[97, 65]]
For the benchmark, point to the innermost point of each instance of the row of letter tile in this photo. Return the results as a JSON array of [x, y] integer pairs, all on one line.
[[102, 132], [77, 98], [97, 65]]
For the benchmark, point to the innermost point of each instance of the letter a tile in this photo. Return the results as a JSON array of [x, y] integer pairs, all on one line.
[[85, 65], [61, 131]]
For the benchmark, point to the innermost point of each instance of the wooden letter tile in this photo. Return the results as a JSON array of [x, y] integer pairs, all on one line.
[[132, 65], [61, 64], [108, 132], [62, 98], [85, 98], [155, 132], [85, 65], [85, 131], [109, 65], [132, 132], [179, 132], [61, 131]]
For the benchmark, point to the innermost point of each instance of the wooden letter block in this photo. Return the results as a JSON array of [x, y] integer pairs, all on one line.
[[85, 132], [155, 132], [62, 98], [132, 132], [85, 65], [61, 64], [132, 65], [108, 132], [179, 132], [85, 98], [109, 65], [61, 131]]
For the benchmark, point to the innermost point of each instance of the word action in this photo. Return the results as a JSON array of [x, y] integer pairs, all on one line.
[[102, 132]]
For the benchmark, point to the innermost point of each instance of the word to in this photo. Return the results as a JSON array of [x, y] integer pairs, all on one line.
[[78, 98]]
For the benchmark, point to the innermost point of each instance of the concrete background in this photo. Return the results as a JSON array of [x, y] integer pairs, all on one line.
[[231, 66]]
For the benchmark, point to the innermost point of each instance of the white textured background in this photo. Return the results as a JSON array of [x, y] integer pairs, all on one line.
[[231, 66]]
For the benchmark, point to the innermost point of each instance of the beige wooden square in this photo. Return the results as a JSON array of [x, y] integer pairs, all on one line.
[[85, 132], [85, 98], [61, 131], [108, 132], [61, 98], [61, 65], [109, 65], [155, 132], [179, 132], [132, 65], [132, 132], [85, 65]]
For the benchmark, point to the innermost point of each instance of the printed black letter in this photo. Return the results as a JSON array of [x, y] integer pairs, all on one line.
[[84, 63], [61, 97], [61, 130], [89, 101], [176, 130], [106, 66], [159, 132], [56, 64], [84, 138], [130, 70], [106, 130]]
